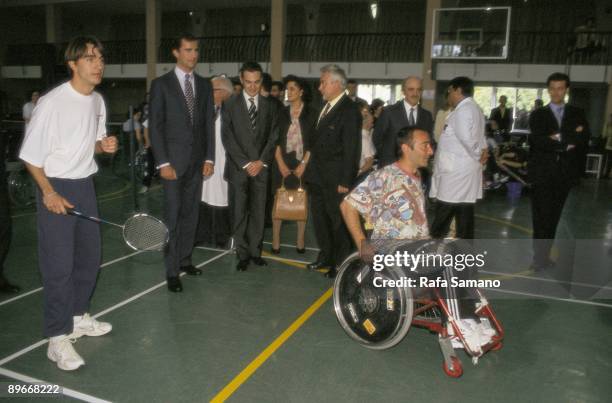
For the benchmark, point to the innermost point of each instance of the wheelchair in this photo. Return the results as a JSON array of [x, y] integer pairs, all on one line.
[[379, 317]]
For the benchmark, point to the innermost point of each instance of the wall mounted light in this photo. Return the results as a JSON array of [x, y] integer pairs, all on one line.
[[374, 9]]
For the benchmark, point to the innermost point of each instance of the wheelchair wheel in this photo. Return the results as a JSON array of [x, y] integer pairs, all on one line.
[[21, 189], [457, 369], [376, 317]]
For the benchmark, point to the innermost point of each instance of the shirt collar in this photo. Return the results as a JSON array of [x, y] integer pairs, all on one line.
[[180, 74], [408, 106], [334, 101], [462, 101], [247, 97], [557, 107]]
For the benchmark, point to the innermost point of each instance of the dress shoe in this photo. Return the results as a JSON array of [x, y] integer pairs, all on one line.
[[242, 265], [276, 251], [300, 251], [191, 270], [8, 288], [259, 261], [174, 284], [316, 266], [331, 273]]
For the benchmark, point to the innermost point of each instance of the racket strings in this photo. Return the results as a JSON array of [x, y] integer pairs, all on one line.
[[144, 232]]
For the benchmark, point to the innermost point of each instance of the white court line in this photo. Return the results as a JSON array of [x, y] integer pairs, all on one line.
[[104, 312], [293, 246], [528, 294], [66, 391], [276, 258], [213, 249], [481, 271], [577, 301], [40, 288], [21, 296], [548, 280]]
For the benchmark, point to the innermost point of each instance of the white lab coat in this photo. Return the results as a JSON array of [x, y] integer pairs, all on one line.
[[214, 187], [457, 172]]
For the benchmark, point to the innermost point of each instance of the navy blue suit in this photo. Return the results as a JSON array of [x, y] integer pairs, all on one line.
[[185, 144]]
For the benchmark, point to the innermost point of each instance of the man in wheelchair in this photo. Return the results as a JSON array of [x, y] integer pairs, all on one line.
[[392, 201]]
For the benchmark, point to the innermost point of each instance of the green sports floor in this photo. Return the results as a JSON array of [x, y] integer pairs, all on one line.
[[270, 334]]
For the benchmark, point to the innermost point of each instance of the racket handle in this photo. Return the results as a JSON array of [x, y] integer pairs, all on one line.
[[79, 214], [90, 218]]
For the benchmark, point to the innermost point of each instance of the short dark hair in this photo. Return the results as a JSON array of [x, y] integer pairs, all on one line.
[[464, 83], [279, 84], [77, 47], [303, 85], [178, 41], [250, 66], [266, 82], [376, 103], [362, 104], [405, 136], [558, 77], [351, 81]]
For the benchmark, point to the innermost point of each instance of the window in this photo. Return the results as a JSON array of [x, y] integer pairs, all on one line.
[[519, 98]]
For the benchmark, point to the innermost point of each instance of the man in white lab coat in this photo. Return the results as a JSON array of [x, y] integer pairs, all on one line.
[[457, 172]]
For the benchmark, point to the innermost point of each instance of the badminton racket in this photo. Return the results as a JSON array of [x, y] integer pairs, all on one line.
[[140, 232]]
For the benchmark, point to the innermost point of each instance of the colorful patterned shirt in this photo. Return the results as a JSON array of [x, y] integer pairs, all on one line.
[[393, 202]]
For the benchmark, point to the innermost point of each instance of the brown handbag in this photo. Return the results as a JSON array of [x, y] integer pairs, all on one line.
[[290, 204]]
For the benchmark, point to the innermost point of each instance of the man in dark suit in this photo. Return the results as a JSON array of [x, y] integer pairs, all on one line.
[[402, 114], [335, 149], [351, 89], [182, 139], [249, 136], [557, 131], [502, 115]]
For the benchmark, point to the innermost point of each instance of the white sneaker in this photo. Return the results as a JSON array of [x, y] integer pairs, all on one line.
[[87, 326], [61, 352], [486, 329], [471, 334], [470, 330]]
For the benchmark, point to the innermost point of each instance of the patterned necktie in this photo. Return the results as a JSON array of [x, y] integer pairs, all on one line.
[[189, 96], [411, 121], [253, 113], [325, 111]]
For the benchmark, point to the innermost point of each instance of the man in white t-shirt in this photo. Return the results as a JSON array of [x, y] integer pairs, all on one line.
[[66, 129], [28, 108]]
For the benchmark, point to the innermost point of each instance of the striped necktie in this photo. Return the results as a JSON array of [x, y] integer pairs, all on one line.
[[189, 98], [253, 113]]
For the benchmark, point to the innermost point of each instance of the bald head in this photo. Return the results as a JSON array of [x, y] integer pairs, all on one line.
[[412, 87]]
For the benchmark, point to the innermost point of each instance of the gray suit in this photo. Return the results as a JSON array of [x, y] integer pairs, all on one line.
[[244, 145], [186, 145]]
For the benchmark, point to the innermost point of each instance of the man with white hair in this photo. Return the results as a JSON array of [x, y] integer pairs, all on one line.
[[214, 221], [394, 118], [332, 169]]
